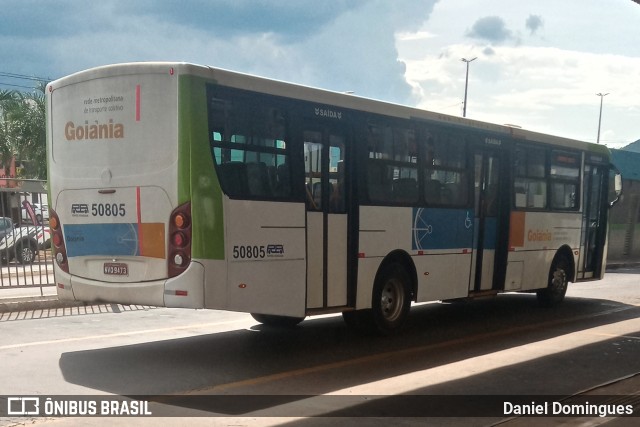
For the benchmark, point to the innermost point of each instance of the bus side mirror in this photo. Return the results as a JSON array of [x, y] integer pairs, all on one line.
[[617, 187]]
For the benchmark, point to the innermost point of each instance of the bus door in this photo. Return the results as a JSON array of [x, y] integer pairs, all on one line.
[[593, 220], [324, 160], [488, 263]]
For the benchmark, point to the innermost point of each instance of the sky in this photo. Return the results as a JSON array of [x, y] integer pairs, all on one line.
[[539, 64]]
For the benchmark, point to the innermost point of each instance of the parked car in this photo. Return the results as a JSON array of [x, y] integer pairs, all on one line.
[[41, 212], [21, 243], [6, 225]]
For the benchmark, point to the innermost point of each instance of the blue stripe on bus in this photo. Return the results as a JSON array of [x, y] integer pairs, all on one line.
[[101, 239], [442, 228]]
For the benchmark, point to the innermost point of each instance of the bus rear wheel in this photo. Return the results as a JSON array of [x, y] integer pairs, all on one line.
[[391, 299], [556, 289], [277, 321]]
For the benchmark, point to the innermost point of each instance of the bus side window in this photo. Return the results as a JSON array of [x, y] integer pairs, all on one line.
[[337, 200], [258, 179], [405, 190], [283, 180], [313, 169], [530, 182], [446, 176], [233, 177], [378, 186], [432, 191], [336, 175]]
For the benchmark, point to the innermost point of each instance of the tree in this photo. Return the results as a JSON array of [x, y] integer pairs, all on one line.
[[22, 131], [7, 107]]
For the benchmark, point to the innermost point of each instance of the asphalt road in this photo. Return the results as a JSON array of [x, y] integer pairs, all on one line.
[[224, 369]]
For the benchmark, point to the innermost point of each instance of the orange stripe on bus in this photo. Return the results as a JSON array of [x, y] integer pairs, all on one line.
[[153, 243], [516, 230]]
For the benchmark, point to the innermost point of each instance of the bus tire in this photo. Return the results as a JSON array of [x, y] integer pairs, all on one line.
[[556, 289], [391, 299], [277, 321]]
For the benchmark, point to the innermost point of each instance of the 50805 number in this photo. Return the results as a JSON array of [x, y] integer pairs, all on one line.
[[249, 252], [108, 209]]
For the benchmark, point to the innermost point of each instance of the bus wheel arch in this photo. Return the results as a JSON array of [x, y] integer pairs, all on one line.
[[394, 287], [561, 272], [404, 260]]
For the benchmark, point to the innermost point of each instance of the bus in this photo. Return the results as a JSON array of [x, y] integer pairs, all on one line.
[[179, 185]]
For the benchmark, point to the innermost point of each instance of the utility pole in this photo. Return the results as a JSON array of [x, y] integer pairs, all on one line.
[[601, 95], [466, 85]]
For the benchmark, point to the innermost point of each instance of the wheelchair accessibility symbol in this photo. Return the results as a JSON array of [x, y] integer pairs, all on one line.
[[467, 222]]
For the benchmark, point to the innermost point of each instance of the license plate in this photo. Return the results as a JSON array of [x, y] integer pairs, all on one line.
[[116, 268]]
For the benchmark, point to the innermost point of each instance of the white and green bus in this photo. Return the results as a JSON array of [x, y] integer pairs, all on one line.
[[179, 185]]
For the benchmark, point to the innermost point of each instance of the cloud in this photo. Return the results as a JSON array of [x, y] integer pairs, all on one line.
[[353, 54], [340, 45], [540, 88], [490, 28], [289, 21], [489, 51], [534, 23]]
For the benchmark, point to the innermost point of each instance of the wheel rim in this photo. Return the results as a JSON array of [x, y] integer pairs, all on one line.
[[27, 254], [392, 300], [559, 280]]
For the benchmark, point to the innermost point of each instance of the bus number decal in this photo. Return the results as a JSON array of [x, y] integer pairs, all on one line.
[[258, 251], [108, 209]]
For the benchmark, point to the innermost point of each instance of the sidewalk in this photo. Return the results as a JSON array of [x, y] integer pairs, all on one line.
[[32, 298]]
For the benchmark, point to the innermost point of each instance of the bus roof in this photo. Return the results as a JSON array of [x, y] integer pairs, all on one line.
[[306, 93]]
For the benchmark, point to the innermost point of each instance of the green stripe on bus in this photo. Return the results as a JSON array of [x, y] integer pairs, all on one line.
[[197, 180]]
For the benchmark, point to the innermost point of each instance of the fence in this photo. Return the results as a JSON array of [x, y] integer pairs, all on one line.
[[25, 242]]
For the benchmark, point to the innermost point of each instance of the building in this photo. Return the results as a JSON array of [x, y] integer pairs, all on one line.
[[624, 219]]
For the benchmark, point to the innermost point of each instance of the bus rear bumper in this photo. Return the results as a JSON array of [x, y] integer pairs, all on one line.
[[184, 291]]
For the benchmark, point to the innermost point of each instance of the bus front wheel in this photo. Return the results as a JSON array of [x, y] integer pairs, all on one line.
[[277, 321], [554, 293]]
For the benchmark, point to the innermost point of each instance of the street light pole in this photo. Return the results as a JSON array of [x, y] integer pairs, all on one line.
[[466, 85], [601, 95]]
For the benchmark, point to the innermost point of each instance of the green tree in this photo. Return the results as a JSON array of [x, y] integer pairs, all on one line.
[[22, 131], [7, 108]]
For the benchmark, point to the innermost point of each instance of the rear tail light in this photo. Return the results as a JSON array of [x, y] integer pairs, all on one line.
[[57, 241], [179, 239]]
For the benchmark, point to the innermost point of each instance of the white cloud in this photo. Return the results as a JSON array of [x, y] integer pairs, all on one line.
[[543, 74]]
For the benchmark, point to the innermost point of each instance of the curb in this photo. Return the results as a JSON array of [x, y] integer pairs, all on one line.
[[619, 265], [40, 303]]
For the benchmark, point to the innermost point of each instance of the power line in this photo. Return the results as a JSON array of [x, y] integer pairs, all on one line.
[[24, 77], [15, 85], [20, 78]]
